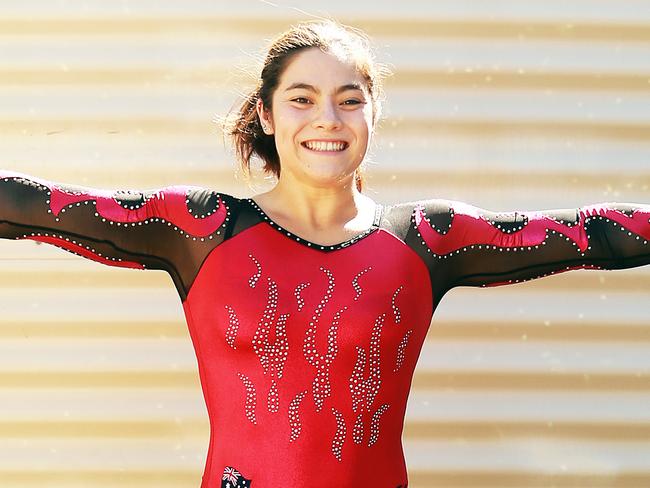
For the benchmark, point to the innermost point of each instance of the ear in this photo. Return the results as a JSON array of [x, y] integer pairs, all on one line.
[[265, 119]]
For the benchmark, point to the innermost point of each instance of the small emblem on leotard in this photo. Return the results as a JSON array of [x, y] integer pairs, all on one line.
[[233, 479]]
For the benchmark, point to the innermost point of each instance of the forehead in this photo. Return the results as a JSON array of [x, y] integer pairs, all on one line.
[[320, 69]]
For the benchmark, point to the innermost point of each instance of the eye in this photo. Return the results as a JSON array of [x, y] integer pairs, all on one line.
[[354, 102], [298, 99]]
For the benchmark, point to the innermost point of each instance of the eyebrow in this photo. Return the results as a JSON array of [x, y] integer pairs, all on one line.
[[340, 89]]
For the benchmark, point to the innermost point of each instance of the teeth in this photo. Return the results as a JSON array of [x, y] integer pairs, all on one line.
[[325, 146]]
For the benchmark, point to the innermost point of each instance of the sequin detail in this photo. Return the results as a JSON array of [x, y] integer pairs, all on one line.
[[272, 355], [321, 385], [472, 225], [201, 203], [400, 351], [119, 208], [357, 432], [233, 327], [374, 424], [355, 282], [339, 436], [255, 278], [398, 315], [364, 389], [294, 416], [273, 398], [297, 294], [80, 249], [251, 398]]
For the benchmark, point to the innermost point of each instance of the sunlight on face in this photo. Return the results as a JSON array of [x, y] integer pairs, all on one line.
[[321, 97]]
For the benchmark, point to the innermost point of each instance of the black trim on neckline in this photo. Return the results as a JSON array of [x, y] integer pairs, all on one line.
[[379, 208]]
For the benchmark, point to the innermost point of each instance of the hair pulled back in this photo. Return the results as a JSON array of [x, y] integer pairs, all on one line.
[[245, 130]]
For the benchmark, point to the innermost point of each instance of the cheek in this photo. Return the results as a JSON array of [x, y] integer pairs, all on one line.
[[291, 122]]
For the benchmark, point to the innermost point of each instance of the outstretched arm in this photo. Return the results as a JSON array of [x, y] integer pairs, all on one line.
[[478, 247], [170, 228]]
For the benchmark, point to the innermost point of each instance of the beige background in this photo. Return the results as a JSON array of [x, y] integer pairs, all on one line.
[[502, 104]]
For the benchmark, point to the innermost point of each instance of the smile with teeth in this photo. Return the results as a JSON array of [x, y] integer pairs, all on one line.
[[325, 146]]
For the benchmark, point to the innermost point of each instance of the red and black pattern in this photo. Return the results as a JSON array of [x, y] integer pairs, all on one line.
[[305, 351]]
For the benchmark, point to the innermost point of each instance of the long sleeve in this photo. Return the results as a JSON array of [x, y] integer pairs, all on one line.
[[170, 229], [471, 246]]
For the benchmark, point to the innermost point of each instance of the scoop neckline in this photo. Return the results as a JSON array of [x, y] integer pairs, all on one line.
[[375, 225]]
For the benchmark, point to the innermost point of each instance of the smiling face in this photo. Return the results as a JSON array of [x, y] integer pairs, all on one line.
[[321, 119]]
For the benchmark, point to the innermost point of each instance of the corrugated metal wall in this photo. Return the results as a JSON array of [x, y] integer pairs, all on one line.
[[502, 104]]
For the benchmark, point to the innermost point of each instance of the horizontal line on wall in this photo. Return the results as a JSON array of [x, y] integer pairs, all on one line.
[[32, 275], [530, 332], [527, 28], [467, 430], [509, 380], [492, 331], [175, 478], [422, 380], [512, 80], [497, 430], [94, 330], [138, 428], [100, 379], [225, 179], [144, 478], [511, 479], [402, 78], [439, 330], [387, 127]]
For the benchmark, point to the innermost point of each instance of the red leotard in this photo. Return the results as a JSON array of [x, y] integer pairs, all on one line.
[[306, 352]]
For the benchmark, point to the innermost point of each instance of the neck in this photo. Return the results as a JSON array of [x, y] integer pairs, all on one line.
[[317, 208]]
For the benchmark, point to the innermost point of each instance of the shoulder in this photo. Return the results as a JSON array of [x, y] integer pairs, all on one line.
[[199, 201], [399, 217], [429, 207]]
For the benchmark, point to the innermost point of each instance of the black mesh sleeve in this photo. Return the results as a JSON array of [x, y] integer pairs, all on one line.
[[170, 229], [471, 246]]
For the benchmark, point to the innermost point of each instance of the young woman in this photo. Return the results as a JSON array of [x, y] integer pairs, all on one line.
[[308, 305]]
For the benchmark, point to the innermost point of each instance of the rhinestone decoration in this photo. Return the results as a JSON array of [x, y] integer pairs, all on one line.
[[198, 206], [294, 417], [374, 424], [339, 436], [233, 327], [313, 245], [79, 248], [255, 278], [536, 224], [321, 385], [273, 398], [272, 355], [400, 350], [120, 208], [357, 432], [365, 389], [398, 315], [297, 292], [355, 282], [251, 398]]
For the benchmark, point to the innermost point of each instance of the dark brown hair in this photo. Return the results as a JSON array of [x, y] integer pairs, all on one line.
[[245, 130]]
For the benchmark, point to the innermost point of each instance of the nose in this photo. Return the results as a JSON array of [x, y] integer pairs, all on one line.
[[327, 117]]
